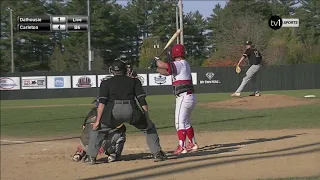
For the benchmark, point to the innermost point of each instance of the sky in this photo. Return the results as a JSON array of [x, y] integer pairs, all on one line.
[[205, 7]]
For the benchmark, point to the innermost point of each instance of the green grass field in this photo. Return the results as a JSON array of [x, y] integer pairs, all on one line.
[[51, 121]]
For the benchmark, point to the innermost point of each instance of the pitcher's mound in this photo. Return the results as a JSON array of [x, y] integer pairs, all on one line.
[[264, 101]]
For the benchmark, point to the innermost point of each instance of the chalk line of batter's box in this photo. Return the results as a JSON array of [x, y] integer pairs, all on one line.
[[20, 142]]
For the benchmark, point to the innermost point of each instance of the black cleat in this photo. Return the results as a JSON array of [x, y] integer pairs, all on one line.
[[89, 160], [159, 156]]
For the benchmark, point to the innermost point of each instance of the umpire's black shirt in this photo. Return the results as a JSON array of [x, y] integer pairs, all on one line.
[[121, 87], [253, 55]]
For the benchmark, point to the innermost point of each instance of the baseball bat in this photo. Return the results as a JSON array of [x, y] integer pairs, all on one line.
[[175, 35]]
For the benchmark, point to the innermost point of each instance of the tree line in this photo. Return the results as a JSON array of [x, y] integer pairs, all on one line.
[[136, 29]]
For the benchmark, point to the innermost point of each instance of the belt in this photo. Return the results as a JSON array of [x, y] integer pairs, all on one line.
[[184, 93], [123, 101]]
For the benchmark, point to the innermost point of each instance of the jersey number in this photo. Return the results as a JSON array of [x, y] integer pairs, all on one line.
[[256, 53]]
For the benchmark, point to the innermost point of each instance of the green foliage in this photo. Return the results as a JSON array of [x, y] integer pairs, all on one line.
[[247, 20], [58, 61], [123, 30], [149, 50]]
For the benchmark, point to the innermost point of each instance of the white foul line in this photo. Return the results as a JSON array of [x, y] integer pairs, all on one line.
[[20, 142]]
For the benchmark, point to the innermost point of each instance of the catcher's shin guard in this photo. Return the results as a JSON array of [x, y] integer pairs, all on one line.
[[80, 153]]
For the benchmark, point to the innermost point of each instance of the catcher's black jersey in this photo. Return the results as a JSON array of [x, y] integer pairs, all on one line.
[[253, 55]]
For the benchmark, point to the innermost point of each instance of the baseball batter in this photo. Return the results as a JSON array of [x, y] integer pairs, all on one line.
[[180, 72]]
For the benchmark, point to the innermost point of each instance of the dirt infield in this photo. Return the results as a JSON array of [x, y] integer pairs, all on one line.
[[222, 155], [262, 102]]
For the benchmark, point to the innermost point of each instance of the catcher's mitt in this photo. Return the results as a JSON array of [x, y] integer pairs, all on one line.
[[238, 69]]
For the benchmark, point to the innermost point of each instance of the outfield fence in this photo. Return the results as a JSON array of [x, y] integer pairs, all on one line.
[[40, 85]]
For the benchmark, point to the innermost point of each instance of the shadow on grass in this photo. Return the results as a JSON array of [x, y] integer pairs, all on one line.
[[212, 122], [50, 120], [206, 162]]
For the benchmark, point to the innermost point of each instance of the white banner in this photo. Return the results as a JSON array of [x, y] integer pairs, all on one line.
[[84, 81], [194, 78], [9, 83], [33, 82], [58, 82], [155, 79], [143, 79], [102, 77]]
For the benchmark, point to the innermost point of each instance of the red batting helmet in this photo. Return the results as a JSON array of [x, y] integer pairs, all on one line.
[[178, 50]]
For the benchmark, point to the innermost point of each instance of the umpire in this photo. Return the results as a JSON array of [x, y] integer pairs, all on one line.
[[255, 60], [122, 99]]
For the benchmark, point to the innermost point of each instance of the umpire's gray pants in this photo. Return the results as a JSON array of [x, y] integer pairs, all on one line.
[[123, 113], [250, 75], [95, 140]]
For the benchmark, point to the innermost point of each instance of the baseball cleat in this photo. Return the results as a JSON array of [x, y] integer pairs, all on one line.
[[89, 160], [78, 155], [191, 147], [112, 158], [180, 150], [159, 156], [255, 94], [235, 94]]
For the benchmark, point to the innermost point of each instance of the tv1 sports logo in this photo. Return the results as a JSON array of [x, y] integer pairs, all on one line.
[[276, 22], [58, 82]]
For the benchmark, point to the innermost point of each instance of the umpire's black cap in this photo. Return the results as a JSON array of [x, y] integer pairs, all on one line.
[[248, 43], [118, 65]]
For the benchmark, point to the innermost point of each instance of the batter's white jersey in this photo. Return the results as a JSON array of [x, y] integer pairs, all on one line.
[[184, 91]]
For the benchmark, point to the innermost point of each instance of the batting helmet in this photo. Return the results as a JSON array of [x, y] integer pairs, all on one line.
[[178, 50]]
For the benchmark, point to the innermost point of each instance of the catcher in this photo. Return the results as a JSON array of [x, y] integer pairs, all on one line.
[[112, 145]]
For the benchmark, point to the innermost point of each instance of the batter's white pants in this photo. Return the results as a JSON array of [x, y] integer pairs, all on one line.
[[185, 104]]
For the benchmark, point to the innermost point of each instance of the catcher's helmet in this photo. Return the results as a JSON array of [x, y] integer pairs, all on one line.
[[178, 50]]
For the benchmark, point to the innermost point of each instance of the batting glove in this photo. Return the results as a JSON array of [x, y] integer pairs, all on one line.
[[156, 58], [153, 64]]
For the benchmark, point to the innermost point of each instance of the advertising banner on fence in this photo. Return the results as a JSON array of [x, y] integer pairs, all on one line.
[[103, 77], [155, 79], [34, 82], [9, 83], [84, 81], [210, 78], [142, 78], [58, 82], [194, 78]]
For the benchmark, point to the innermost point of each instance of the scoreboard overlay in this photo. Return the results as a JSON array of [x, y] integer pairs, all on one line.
[[54, 23]]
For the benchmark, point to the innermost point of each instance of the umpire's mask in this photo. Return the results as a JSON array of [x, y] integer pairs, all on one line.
[[118, 68]]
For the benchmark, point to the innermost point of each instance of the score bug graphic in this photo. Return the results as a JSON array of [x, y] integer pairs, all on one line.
[[55, 23]]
